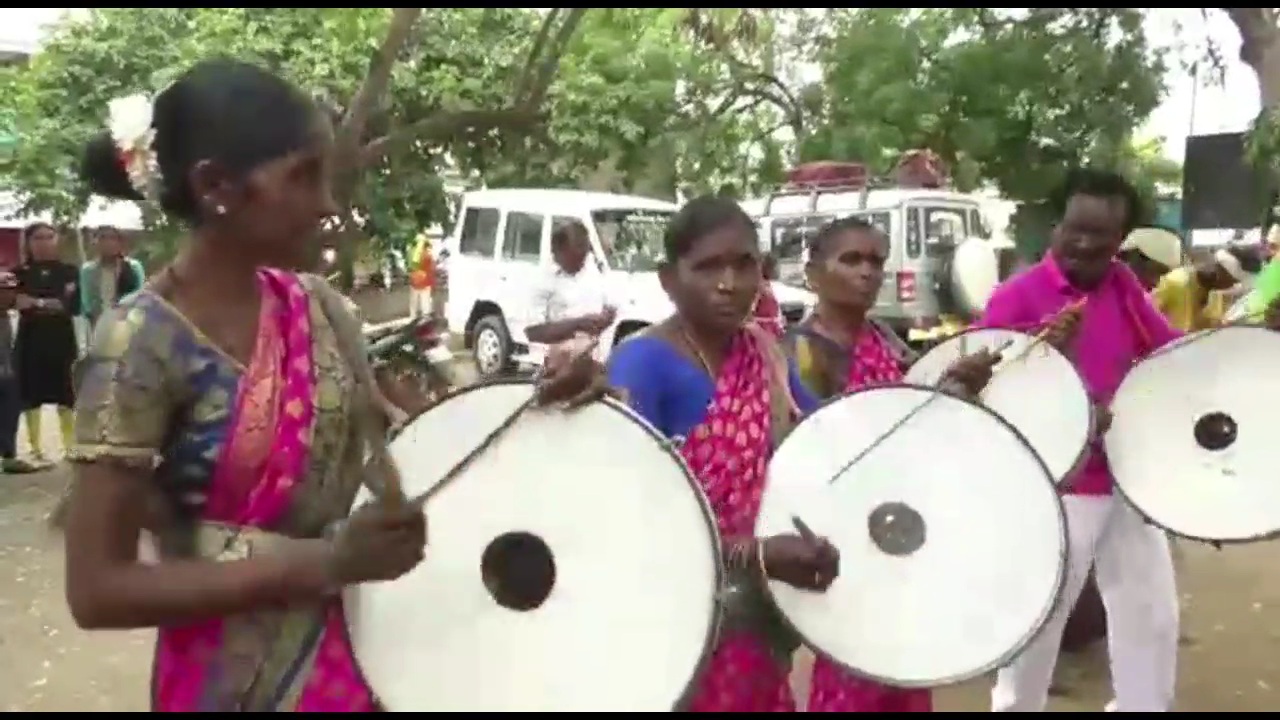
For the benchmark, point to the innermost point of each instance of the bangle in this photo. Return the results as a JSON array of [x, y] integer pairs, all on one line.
[[736, 554], [739, 556], [764, 567]]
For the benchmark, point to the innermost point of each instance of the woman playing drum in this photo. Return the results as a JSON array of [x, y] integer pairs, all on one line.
[[218, 408], [720, 385], [839, 349]]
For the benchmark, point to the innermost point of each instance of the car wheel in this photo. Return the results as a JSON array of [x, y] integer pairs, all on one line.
[[492, 346]]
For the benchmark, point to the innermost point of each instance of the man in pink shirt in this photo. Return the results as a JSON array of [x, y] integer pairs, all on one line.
[[1115, 326]]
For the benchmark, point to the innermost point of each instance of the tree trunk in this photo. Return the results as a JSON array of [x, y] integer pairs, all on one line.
[[1260, 49], [1268, 72]]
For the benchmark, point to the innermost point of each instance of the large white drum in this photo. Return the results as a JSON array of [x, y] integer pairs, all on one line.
[[1193, 441], [1038, 392], [951, 535], [573, 566]]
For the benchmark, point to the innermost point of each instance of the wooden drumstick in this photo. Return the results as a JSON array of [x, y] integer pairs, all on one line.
[[1039, 337], [420, 500], [577, 348], [392, 491], [1043, 335]]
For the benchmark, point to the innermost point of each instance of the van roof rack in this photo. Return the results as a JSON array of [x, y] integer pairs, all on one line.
[[915, 169], [815, 190]]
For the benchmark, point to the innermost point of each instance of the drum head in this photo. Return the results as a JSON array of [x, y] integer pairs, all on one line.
[[573, 567], [951, 536], [1192, 443], [1040, 394]]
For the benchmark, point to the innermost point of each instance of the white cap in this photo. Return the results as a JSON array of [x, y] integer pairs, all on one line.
[[1158, 244]]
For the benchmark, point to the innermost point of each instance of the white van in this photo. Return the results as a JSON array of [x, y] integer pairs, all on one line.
[[501, 245], [942, 262]]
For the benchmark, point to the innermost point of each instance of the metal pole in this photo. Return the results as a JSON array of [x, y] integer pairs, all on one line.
[[1195, 96]]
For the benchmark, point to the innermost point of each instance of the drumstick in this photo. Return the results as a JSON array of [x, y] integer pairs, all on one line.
[[455, 472], [1039, 337], [392, 483], [420, 500]]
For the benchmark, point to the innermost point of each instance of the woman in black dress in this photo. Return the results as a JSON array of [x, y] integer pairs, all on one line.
[[45, 348]]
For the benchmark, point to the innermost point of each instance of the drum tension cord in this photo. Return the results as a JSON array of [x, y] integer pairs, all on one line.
[[455, 472], [882, 437]]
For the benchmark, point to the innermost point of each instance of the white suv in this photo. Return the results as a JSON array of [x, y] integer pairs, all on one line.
[[501, 245]]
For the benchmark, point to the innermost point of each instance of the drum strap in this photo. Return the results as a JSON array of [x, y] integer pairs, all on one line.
[[369, 421], [783, 413]]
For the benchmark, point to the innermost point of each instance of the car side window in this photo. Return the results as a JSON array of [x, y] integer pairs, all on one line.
[[479, 234], [522, 239]]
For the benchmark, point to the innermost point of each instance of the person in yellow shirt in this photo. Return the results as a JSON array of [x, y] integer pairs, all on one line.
[[1197, 297], [1151, 252], [422, 277]]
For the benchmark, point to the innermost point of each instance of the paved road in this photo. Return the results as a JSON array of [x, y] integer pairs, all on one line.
[[48, 665]]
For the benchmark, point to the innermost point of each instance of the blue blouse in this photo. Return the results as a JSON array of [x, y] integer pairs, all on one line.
[[672, 392]]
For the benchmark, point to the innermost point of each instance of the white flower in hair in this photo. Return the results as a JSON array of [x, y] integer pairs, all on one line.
[[129, 122]]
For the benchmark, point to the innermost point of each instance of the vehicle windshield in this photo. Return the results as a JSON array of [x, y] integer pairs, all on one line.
[[789, 240], [632, 239], [952, 223], [791, 236]]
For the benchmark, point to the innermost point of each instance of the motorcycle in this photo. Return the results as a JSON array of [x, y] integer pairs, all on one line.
[[412, 363]]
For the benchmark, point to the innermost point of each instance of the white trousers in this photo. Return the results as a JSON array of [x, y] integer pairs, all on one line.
[[1136, 580], [419, 302]]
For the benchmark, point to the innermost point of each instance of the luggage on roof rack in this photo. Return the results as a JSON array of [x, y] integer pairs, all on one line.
[[915, 169]]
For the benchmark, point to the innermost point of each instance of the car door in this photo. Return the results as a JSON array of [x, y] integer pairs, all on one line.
[[525, 241], [472, 267]]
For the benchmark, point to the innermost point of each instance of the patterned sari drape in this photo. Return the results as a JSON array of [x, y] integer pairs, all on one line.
[[728, 454], [294, 659]]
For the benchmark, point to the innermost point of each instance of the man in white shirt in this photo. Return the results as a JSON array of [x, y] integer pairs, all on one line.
[[570, 299]]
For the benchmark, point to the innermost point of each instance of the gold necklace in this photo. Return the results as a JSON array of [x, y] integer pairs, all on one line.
[[702, 358]]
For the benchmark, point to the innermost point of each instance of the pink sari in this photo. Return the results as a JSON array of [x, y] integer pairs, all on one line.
[[767, 312], [289, 659], [728, 454], [872, 362]]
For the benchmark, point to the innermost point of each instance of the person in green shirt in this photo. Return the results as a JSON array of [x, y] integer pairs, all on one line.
[[111, 277]]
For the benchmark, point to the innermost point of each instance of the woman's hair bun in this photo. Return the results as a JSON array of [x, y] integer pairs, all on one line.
[[101, 170]]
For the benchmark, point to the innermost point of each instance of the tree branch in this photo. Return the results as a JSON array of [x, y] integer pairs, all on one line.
[[442, 125], [535, 94], [535, 52], [378, 76]]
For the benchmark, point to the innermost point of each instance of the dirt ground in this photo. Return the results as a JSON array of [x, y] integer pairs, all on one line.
[[1231, 599]]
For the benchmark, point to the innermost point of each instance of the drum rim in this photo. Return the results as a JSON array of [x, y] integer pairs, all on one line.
[[1083, 455], [1119, 487], [713, 631], [1046, 615]]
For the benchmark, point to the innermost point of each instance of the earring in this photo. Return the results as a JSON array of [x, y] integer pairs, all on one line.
[[220, 210]]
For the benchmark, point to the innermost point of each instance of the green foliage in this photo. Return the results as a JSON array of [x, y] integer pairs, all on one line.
[[636, 99], [646, 100], [646, 103], [1008, 97], [453, 62]]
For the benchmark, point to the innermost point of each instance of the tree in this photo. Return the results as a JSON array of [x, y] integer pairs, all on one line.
[[1012, 98], [1260, 48], [653, 100], [638, 99], [405, 94]]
